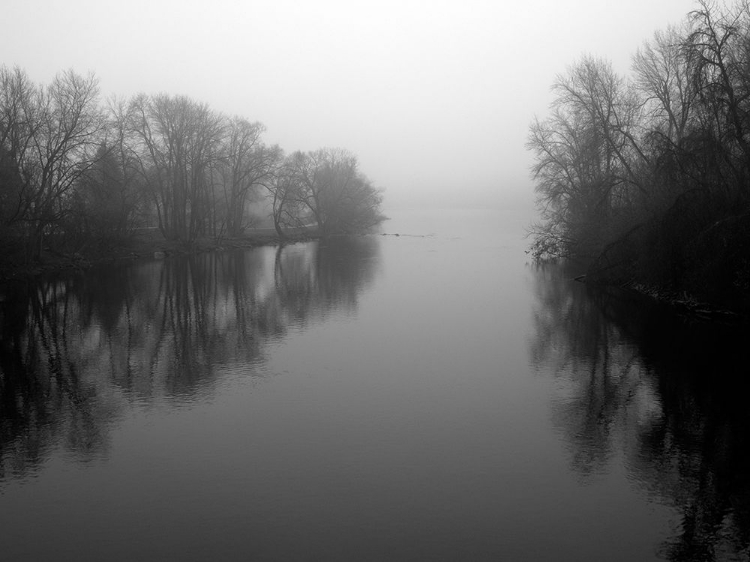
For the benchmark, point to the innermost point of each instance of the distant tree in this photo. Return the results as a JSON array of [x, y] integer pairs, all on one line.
[[328, 185], [106, 198], [73, 172], [18, 121], [287, 209], [178, 144], [50, 136], [246, 165]]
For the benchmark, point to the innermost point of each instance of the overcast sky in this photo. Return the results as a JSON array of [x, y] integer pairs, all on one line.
[[434, 97]]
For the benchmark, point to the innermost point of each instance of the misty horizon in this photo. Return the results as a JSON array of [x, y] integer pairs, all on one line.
[[432, 98]]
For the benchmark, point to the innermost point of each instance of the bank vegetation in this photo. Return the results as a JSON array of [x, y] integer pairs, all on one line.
[[80, 176], [646, 176]]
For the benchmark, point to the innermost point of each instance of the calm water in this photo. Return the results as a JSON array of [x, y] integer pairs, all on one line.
[[428, 396]]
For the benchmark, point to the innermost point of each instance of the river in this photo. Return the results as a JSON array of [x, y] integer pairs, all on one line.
[[427, 393]]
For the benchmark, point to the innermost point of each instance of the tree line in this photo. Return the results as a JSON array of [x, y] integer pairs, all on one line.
[[647, 176], [77, 173]]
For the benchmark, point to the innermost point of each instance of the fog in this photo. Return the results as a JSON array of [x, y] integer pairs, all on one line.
[[435, 98]]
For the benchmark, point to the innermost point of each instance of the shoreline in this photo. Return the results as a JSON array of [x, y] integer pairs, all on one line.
[[142, 245], [680, 304]]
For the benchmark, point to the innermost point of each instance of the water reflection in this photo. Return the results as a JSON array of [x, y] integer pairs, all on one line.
[[666, 393], [76, 349]]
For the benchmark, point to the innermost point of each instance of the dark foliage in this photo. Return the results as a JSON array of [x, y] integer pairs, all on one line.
[[77, 179], [648, 177]]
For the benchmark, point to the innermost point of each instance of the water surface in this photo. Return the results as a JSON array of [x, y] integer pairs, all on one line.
[[426, 396]]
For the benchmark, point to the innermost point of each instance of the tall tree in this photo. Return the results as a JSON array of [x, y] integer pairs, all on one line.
[[179, 143], [287, 211], [247, 164], [663, 79], [18, 124], [329, 186], [61, 129], [587, 160], [718, 55]]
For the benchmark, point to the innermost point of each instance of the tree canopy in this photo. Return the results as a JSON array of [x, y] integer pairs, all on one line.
[[76, 172], [646, 176]]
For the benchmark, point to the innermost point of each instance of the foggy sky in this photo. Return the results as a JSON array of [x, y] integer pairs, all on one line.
[[434, 97]]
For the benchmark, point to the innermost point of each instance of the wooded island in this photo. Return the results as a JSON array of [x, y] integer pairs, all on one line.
[[78, 177]]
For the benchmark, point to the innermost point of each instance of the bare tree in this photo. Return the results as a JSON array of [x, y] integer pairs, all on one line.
[[65, 130], [718, 54], [588, 160], [247, 164], [327, 184], [18, 124], [108, 195], [592, 88], [649, 179], [178, 145], [286, 209], [663, 79]]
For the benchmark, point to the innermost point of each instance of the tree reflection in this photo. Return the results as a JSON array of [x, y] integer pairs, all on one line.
[[325, 277], [49, 393], [666, 392], [76, 349]]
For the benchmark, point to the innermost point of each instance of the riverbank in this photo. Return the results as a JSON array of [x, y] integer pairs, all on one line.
[[680, 304], [732, 309], [143, 244]]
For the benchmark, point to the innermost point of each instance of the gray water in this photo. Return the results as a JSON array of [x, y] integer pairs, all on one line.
[[427, 396]]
